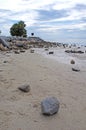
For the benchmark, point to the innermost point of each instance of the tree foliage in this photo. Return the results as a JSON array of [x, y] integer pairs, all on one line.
[[18, 29]]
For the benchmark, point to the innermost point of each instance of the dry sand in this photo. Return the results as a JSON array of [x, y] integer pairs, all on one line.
[[47, 77]]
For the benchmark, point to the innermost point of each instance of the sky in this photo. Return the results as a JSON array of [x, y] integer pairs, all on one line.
[[52, 20]]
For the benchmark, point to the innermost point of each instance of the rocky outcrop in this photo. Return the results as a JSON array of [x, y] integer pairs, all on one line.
[[72, 61]]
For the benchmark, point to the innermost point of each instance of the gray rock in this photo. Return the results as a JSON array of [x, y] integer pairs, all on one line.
[[76, 69], [24, 88], [46, 49], [22, 51], [31, 51], [51, 52], [50, 106], [16, 52], [5, 61], [19, 44], [4, 43]]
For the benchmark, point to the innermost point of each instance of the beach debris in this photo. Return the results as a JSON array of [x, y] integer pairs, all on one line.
[[31, 51], [51, 52], [24, 88], [50, 106], [75, 69], [72, 61]]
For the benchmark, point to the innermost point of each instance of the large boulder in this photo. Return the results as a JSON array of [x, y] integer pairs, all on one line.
[[50, 106], [22, 45], [16, 52], [19, 44]]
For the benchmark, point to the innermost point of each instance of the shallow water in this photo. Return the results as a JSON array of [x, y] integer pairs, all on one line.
[[62, 57]]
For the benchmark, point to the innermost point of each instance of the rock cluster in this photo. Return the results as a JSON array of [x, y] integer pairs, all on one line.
[[73, 51]]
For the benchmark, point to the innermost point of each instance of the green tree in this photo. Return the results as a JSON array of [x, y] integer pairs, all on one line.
[[18, 29]]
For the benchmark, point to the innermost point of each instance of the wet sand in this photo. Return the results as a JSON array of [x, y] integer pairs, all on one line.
[[47, 77]]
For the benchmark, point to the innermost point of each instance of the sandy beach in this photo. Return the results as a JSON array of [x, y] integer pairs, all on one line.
[[46, 77]]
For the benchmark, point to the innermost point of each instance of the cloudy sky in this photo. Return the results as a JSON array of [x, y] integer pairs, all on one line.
[[52, 20]]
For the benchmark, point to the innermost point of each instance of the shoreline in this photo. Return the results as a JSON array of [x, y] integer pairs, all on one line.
[[61, 56]]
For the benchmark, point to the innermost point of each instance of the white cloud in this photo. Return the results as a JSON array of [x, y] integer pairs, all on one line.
[[67, 4], [19, 5], [48, 28], [73, 15]]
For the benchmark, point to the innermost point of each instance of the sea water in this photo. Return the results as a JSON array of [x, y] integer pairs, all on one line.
[[61, 56]]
